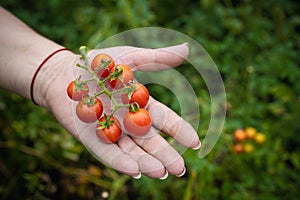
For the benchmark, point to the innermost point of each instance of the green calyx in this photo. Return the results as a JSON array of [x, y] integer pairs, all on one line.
[[89, 101], [80, 85], [108, 121], [134, 107], [116, 74]]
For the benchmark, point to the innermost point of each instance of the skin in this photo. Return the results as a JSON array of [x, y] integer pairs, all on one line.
[[23, 49]]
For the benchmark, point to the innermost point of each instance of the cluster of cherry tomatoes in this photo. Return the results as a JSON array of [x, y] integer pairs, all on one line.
[[113, 80], [244, 138]]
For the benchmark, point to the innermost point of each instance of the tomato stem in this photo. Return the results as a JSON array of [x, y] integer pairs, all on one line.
[[116, 107], [113, 76], [107, 122], [87, 80], [116, 74], [99, 93], [103, 64], [124, 90], [83, 51], [134, 107], [89, 100]]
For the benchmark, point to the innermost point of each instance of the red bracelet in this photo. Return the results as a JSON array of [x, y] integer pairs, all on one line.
[[39, 68]]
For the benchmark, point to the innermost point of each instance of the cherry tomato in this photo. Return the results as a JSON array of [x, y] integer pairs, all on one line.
[[260, 138], [77, 90], [126, 76], [250, 132], [108, 131], [140, 95], [238, 148], [97, 61], [89, 109], [239, 135], [248, 147], [137, 123]]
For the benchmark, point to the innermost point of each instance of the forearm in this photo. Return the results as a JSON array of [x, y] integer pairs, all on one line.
[[21, 52]]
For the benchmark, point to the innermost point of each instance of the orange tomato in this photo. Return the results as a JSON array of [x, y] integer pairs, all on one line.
[[239, 135]]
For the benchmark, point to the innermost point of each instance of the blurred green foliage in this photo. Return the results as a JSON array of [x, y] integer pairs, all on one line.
[[256, 46]]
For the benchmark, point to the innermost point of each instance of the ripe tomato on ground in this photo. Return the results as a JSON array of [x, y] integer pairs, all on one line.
[[239, 135], [260, 138], [238, 148], [137, 123], [250, 132], [248, 147], [89, 109], [126, 76], [108, 131], [98, 60], [140, 95], [77, 90]]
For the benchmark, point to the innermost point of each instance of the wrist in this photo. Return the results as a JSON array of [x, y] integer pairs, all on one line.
[[54, 75], [38, 70]]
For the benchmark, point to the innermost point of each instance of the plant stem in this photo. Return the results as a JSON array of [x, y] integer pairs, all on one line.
[[102, 65], [124, 90], [101, 83], [88, 80]]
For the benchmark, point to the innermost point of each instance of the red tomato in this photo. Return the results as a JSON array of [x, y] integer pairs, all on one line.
[[89, 109], [137, 123], [108, 132], [126, 76], [77, 90], [238, 148], [97, 61], [140, 95]]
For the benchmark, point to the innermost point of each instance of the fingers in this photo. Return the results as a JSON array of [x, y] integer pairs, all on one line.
[[156, 59], [165, 119], [159, 148], [149, 165], [145, 59], [152, 156]]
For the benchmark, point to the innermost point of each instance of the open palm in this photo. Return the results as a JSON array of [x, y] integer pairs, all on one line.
[[152, 156]]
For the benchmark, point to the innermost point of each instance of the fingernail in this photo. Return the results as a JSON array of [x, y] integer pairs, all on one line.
[[182, 173], [187, 44], [164, 176], [138, 176], [198, 146]]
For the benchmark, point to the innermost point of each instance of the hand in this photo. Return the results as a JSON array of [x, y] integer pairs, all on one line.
[[152, 156]]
